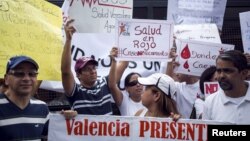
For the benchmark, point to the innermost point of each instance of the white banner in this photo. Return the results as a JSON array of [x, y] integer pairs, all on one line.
[[144, 39], [245, 30], [197, 11], [195, 56], [96, 16], [112, 128]]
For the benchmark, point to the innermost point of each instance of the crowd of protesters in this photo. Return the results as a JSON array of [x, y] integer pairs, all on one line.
[[158, 95]]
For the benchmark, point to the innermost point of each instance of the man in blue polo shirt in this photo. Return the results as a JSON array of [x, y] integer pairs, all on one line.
[[22, 118]]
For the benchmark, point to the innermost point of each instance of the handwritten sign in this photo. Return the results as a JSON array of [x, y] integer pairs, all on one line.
[[112, 128], [93, 16], [147, 39], [198, 32], [31, 28], [245, 30], [195, 56], [210, 88], [197, 11], [99, 45]]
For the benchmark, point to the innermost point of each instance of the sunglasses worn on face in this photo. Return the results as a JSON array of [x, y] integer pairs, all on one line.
[[132, 83], [21, 74]]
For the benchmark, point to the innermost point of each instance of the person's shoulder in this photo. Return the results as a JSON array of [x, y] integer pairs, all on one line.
[[212, 97]]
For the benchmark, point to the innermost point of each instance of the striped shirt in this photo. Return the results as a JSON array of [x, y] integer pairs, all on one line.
[[30, 123], [92, 101]]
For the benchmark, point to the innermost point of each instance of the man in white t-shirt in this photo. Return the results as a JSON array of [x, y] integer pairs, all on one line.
[[187, 88], [231, 103]]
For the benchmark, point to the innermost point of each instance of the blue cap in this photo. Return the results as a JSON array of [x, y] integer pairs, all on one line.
[[16, 60]]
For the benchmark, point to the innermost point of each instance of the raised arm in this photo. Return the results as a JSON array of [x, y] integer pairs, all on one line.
[[121, 67], [116, 92], [171, 64], [67, 75]]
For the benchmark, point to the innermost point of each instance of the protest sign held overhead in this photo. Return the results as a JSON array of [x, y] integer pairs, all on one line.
[[31, 28], [197, 11], [96, 16], [198, 32], [144, 39], [245, 30], [195, 56]]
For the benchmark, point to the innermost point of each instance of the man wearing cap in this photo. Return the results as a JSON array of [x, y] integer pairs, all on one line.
[[22, 118], [92, 96], [231, 103]]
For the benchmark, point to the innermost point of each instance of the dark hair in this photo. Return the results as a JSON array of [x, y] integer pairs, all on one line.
[[206, 76], [165, 104], [127, 78], [236, 57]]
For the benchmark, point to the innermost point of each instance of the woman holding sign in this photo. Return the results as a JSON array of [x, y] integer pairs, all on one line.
[[128, 101]]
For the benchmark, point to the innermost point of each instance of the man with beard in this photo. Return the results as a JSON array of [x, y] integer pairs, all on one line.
[[231, 103]]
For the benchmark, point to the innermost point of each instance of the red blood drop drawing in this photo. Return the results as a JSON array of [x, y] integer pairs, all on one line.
[[185, 53], [186, 65]]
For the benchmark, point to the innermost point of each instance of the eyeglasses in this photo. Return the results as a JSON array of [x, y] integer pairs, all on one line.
[[132, 83], [21, 74]]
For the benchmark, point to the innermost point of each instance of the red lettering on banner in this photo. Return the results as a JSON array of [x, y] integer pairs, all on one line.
[[97, 128], [164, 130], [69, 126], [181, 129], [144, 126], [190, 131], [92, 128], [111, 125], [173, 130], [78, 128], [86, 127], [103, 126], [200, 130], [155, 129]]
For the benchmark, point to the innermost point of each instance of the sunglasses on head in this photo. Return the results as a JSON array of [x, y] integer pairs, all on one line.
[[21, 74], [133, 83]]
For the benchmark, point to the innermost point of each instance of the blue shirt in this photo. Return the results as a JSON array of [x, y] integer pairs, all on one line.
[[30, 123]]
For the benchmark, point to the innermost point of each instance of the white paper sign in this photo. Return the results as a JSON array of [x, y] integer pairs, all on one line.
[[197, 11], [245, 30], [112, 128], [99, 45], [210, 88], [144, 39], [98, 16], [198, 32], [194, 56]]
